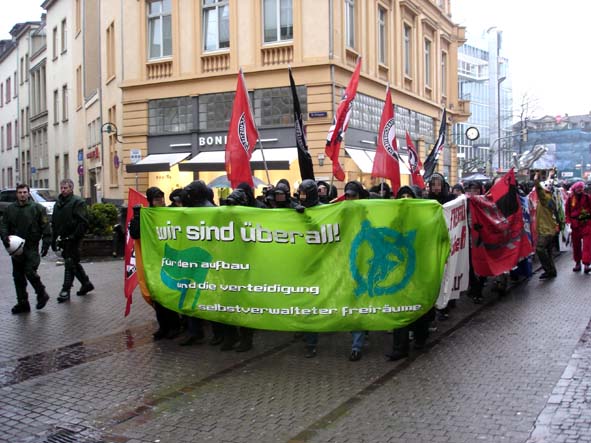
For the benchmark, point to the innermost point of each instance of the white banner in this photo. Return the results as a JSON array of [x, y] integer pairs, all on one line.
[[456, 275]]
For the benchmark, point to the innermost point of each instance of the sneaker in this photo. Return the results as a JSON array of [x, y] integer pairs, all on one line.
[[547, 276], [85, 289], [216, 341], [42, 301], [587, 269], [63, 297], [577, 267], [355, 356], [21, 308], [228, 344], [396, 355], [191, 341], [310, 352], [159, 335], [243, 346]]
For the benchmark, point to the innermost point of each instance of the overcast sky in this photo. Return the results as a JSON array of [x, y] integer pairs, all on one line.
[[547, 43]]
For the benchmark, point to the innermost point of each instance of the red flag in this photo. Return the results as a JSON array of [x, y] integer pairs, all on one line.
[[340, 122], [242, 137], [499, 237], [386, 163], [414, 163], [130, 275]]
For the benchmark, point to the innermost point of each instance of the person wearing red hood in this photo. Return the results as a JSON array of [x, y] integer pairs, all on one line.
[[578, 214]]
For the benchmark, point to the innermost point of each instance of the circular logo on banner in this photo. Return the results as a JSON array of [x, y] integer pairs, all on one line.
[[388, 137], [382, 261], [242, 132]]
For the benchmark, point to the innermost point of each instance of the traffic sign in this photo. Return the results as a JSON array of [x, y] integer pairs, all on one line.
[[80, 169], [135, 155], [33, 169]]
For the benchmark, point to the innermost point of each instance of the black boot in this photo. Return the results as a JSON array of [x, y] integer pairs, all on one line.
[[42, 300], [21, 308], [85, 288]]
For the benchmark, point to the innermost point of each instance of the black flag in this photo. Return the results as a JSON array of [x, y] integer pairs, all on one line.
[[431, 160], [304, 158]]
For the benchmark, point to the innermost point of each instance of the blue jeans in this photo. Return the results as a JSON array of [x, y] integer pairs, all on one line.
[[358, 340]]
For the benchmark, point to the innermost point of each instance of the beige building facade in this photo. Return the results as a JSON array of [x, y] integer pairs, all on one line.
[[181, 59]]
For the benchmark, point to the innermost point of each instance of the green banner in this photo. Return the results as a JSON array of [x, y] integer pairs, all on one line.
[[355, 265]]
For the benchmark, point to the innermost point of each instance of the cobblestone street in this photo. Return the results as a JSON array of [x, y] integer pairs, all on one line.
[[514, 369]]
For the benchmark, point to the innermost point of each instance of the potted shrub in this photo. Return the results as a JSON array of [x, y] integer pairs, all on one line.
[[102, 217]]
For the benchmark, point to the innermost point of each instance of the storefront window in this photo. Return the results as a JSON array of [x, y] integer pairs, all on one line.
[[170, 116]]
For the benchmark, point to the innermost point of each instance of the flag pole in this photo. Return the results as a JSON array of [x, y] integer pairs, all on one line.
[[264, 161], [259, 138]]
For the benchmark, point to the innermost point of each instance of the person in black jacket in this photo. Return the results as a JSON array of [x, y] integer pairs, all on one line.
[[28, 220], [69, 223]]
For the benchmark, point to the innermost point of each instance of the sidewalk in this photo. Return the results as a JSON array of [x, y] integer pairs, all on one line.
[[487, 374]]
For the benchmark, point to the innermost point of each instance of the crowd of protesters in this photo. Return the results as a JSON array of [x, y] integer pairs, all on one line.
[[551, 215]]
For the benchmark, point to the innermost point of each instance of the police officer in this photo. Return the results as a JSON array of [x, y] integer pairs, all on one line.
[[69, 224], [28, 220]]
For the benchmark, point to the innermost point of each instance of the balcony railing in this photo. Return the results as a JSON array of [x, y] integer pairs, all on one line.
[[159, 69], [277, 55], [215, 62]]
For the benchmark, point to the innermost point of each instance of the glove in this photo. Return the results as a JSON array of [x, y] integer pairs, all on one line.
[[5, 242], [300, 209], [44, 249]]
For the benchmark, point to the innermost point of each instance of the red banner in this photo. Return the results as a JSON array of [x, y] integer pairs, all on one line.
[[499, 237], [386, 161], [242, 138], [130, 275], [340, 122]]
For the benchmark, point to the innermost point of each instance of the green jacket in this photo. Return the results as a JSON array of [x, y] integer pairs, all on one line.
[[28, 221], [546, 212], [70, 218]]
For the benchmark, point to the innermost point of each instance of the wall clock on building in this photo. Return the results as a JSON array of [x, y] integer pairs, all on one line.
[[472, 133]]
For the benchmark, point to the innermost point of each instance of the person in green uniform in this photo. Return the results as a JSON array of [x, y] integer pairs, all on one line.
[[69, 224], [28, 220]]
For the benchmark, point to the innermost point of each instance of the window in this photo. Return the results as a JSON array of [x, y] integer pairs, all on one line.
[[170, 116], [27, 67], [427, 62], [27, 120], [66, 165], [22, 69], [23, 127], [407, 50], [273, 107], [16, 133], [215, 111], [64, 36], [14, 82], [278, 17], [9, 176], [8, 90], [54, 42], [382, 45], [350, 23], [444, 74], [65, 103], [1, 94], [2, 138], [55, 107], [159, 29], [78, 16], [216, 25], [111, 51], [78, 87], [8, 136]]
